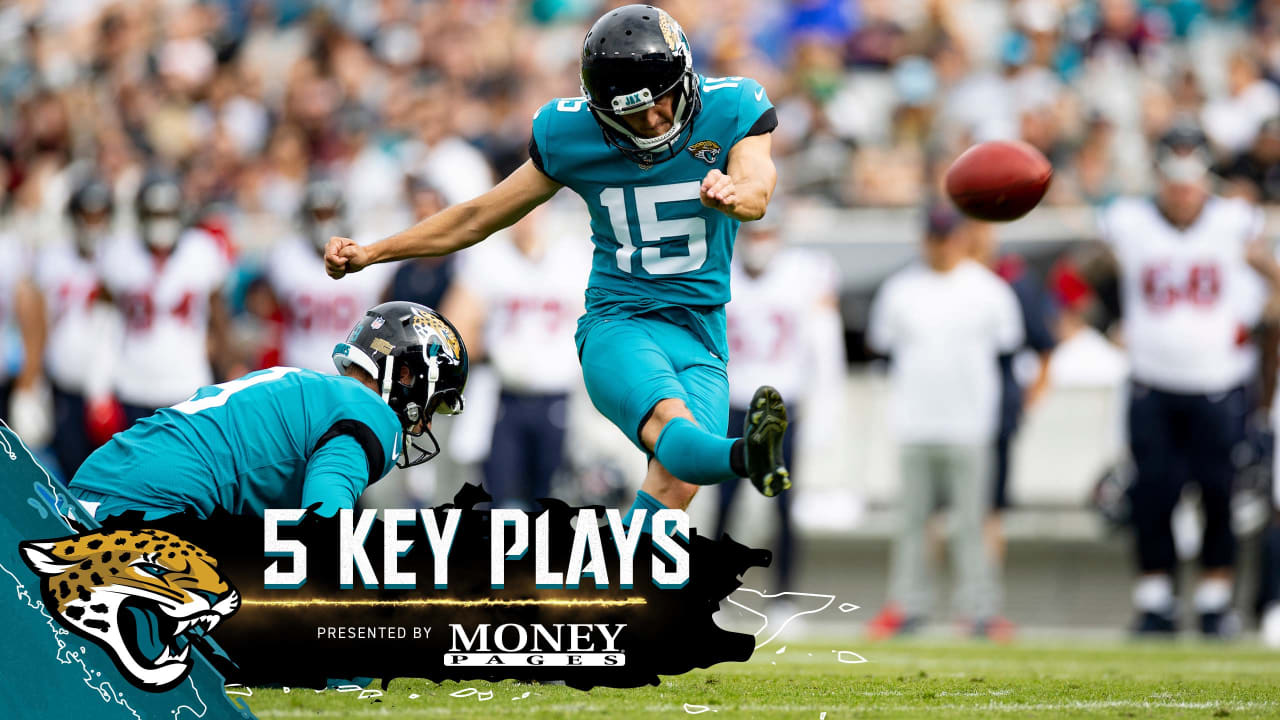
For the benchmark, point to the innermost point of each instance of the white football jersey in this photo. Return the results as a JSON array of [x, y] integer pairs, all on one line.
[[532, 305], [319, 311], [69, 283], [771, 324], [1186, 294], [165, 305]]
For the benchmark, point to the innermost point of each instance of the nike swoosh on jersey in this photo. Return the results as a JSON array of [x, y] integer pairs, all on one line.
[[759, 94]]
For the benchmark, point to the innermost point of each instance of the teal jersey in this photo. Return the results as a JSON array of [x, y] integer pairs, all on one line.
[[657, 248], [277, 438]]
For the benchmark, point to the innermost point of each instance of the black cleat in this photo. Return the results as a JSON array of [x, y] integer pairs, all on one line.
[[766, 423]]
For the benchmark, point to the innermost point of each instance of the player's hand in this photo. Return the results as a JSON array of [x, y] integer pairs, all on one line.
[[344, 255], [718, 192]]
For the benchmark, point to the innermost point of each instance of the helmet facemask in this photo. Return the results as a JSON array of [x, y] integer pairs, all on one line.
[[416, 403], [651, 150]]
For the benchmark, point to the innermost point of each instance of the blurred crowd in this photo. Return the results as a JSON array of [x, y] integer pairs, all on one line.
[[244, 99]]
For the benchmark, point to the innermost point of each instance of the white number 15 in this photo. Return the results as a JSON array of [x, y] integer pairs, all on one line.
[[654, 231]]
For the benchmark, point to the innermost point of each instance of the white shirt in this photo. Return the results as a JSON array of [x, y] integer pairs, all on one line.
[[319, 311], [1186, 294], [945, 333], [532, 305], [773, 321], [69, 283], [165, 305], [1088, 360]]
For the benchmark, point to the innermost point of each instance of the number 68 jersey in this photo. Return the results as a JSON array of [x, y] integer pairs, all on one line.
[[654, 240], [1186, 293]]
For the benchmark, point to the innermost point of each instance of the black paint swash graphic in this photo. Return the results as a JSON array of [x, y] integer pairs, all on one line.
[[319, 631]]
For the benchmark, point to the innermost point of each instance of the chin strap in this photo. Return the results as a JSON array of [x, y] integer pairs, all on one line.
[[386, 380], [433, 376]]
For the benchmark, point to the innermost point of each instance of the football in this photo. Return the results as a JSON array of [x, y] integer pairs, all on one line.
[[1000, 180]]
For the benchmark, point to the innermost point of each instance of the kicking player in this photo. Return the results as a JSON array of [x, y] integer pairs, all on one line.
[[286, 437], [669, 163]]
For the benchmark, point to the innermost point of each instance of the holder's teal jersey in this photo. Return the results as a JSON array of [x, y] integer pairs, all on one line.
[[277, 438], [656, 245]]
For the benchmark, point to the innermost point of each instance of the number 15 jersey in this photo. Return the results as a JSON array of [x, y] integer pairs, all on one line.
[[656, 245]]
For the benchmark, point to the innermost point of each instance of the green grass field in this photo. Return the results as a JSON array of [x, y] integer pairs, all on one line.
[[899, 680]]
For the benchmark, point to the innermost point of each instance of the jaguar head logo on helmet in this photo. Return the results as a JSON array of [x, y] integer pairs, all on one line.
[[419, 363]]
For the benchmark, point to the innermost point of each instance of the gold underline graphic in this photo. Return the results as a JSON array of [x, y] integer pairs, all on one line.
[[447, 602]]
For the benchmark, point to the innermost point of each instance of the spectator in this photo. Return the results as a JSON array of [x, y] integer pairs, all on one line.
[[1083, 357], [944, 323], [1255, 173], [1233, 122]]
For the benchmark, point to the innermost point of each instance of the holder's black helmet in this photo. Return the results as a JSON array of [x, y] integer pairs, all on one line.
[[397, 335], [631, 57]]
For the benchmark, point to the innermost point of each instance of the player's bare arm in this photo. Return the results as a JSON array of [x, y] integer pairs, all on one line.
[[452, 229], [743, 194]]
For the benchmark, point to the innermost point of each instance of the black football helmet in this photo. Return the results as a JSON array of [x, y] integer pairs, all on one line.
[[322, 212], [398, 335], [631, 57], [159, 208]]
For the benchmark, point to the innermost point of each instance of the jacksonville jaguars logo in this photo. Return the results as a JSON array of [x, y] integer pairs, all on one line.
[[143, 596], [707, 151], [671, 32], [429, 327]]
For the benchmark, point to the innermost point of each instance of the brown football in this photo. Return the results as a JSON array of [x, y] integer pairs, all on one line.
[[999, 180]]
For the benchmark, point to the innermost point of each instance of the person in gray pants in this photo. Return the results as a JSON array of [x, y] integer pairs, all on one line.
[[944, 322]]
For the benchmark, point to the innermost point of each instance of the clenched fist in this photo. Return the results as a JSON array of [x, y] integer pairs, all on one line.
[[344, 255], [718, 191]]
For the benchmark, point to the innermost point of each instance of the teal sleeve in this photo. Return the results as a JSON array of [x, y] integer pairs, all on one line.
[[753, 103], [539, 141], [336, 475]]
